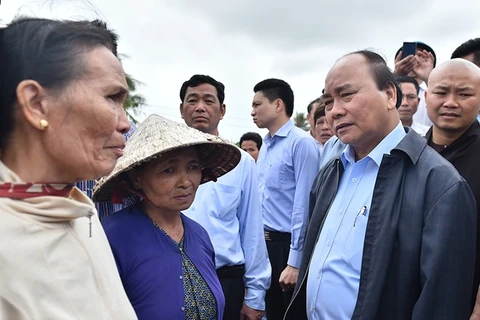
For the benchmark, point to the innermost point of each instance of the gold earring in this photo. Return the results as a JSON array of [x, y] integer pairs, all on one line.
[[43, 124]]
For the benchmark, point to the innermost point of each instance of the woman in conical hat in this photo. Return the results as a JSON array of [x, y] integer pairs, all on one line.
[[166, 260]]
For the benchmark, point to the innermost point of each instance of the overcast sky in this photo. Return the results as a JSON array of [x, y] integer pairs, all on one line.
[[243, 42]]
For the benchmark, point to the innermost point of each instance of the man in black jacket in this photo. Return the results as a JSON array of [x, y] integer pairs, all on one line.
[[392, 224], [453, 101]]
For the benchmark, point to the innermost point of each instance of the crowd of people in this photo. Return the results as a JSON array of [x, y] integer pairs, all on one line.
[[371, 214]]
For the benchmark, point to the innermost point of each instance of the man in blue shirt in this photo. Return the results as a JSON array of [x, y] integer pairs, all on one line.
[[392, 224], [229, 209], [287, 165]]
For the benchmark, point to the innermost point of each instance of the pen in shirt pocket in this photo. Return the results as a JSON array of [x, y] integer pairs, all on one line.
[[362, 211]]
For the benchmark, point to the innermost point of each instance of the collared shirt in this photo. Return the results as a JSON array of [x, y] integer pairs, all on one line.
[[421, 116], [229, 210], [332, 148], [287, 165], [105, 209], [334, 273]]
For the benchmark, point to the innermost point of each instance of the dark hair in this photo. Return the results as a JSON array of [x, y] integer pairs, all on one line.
[[199, 79], [469, 47], [310, 105], [422, 46], [319, 112], [253, 136], [381, 73], [274, 89], [407, 79], [47, 51]]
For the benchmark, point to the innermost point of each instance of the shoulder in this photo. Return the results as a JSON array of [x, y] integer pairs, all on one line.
[[123, 220], [195, 229]]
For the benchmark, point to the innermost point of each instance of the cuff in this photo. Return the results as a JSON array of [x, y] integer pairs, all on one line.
[[294, 258], [255, 299]]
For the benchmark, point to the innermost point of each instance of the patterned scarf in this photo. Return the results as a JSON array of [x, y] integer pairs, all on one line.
[[21, 191]]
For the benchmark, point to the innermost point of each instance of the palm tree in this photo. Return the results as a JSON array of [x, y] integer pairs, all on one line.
[[301, 121], [134, 101]]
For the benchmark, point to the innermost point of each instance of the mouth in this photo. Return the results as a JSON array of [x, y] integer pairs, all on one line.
[[200, 119], [118, 150], [183, 197], [341, 126], [450, 115]]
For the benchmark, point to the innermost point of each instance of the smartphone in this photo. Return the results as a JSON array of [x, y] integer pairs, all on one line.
[[409, 49]]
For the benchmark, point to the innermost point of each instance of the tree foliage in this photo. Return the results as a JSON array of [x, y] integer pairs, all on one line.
[[301, 121]]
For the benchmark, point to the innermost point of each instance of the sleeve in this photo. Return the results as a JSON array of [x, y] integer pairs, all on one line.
[[306, 158], [257, 265], [447, 258]]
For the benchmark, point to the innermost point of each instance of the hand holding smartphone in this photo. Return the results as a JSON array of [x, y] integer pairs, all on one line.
[[409, 49]]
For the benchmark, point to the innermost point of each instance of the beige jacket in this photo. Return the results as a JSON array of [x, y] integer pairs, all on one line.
[[49, 266]]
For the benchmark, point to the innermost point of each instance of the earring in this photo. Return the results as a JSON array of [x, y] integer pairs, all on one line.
[[43, 124]]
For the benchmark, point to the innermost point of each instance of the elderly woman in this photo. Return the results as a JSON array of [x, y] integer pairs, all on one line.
[[166, 260], [61, 120]]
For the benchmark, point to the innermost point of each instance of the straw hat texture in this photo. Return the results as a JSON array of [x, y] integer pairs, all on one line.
[[156, 136]]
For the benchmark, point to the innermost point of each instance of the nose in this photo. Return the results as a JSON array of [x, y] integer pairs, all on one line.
[[123, 124], [200, 107], [404, 100], [451, 101], [184, 179], [253, 113], [337, 110]]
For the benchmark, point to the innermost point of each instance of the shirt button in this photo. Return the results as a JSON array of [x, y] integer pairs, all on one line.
[[318, 276], [181, 277], [328, 243], [341, 211], [183, 308], [312, 308], [354, 180]]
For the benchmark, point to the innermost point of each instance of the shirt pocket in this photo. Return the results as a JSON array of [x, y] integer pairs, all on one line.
[[275, 176], [225, 201], [353, 247]]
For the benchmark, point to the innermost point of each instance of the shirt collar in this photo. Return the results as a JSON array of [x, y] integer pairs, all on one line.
[[384, 147], [282, 132]]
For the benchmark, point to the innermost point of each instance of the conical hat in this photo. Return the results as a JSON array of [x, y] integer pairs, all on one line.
[[156, 136]]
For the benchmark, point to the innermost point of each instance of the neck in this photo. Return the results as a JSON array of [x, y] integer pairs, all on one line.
[[445, 138], [170, 222], [407, 123], [22, 157], [276, 125]]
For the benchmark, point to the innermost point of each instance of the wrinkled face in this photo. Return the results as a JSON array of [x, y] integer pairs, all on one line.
[[201, 108], [171, 181], [356, 110], [453, 98], [264, 112], [87, 119], [250, 147], [322, 130], [409, 104]]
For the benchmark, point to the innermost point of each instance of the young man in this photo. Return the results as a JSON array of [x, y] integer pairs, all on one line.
[[251, 142], [287, 164], [453, 103]]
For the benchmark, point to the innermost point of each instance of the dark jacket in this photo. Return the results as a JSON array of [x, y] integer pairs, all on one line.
[[419, 249], [464, 154]]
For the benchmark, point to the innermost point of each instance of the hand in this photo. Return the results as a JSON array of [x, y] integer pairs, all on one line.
[[404, 66], [424, 65], [288, 278], [476, 309], [248, 313]]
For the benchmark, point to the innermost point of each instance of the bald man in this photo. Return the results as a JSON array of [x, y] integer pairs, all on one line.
[[453, 103]]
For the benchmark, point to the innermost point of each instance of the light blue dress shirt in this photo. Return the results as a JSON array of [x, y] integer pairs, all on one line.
[[287, 165], [331, 149], [229, 210], [334, 273]]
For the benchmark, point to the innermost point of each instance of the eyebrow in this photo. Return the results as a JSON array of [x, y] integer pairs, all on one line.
[[194, 94], [338, 89]]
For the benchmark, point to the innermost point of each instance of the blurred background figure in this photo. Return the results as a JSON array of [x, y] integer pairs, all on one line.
[[62, 120], [251, 142], [409, 105], [323, 132]]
